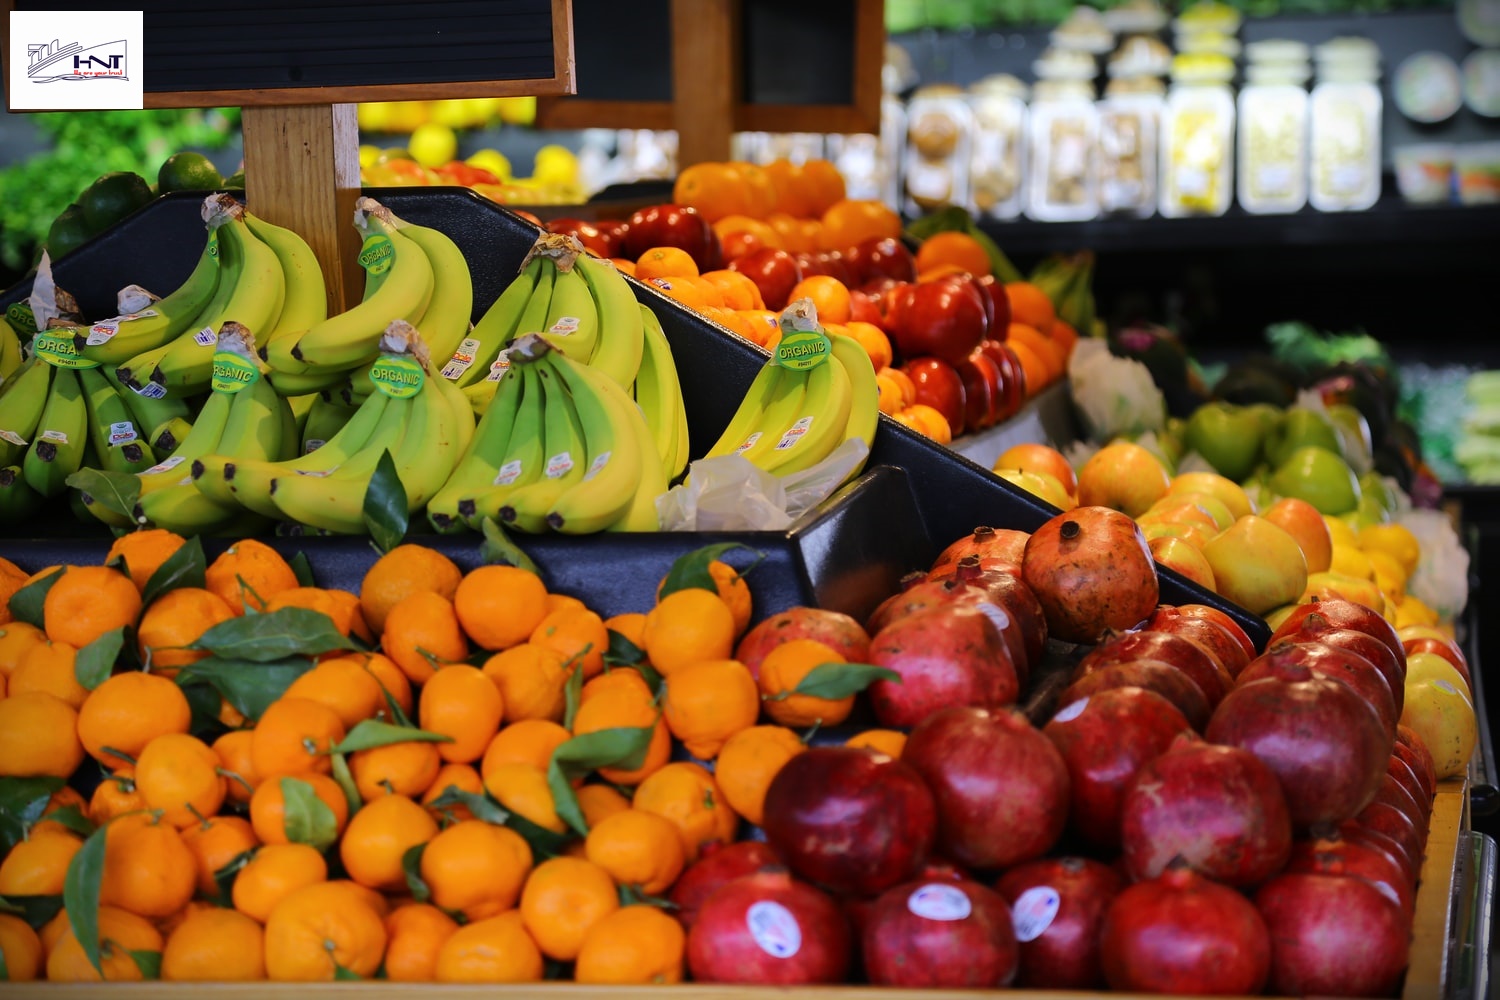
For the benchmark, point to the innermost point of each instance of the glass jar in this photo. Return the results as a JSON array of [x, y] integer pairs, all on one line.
[[1197, 136], [1271, 167], [939, 142], [1129, 122], [1062, 139], [1344, 111], [999, 105]]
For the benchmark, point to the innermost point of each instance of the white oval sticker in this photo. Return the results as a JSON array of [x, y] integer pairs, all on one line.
[[1033, 912], [937, 901], [1441, 685], [774, 928], [994, 613], [1071, 712]]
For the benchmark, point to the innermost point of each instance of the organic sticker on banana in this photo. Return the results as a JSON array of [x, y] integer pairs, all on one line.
[[20, 316], [397, 377], [801, 350], [377, 254], [58, 349], [231, 373]]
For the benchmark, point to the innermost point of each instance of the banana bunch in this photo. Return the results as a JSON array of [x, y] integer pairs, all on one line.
[[793, 417], [413, 273], [562, 447], [11, 354], [585, 308], [422, 420], [242, 416]]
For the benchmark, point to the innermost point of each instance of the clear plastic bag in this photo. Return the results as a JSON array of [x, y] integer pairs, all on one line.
[[728, 493]]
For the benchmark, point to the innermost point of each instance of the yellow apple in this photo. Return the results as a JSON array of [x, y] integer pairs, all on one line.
[[1303, 522], [1124, 476], [1211, 505], [1194, 534], [1431, 666], [1340, 532], [1036, 457], [1166, 511], [1226, 489], [1444, 719], [1174, 553], [1040, 484], [1256, 564]]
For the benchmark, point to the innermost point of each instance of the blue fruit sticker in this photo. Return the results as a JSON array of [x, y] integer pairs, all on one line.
[[801, 350], [397, 377], [231, 373]]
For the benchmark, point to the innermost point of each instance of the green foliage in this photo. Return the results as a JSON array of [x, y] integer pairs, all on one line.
[[85, 145]]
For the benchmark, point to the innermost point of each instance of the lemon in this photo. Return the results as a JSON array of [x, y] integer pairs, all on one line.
[[433, 145], [1339, 532], [368, 155], [1395, 539], [188, 171], [555, 166], [1350, 561], [1390, 575], [492, 160], [516, 110], [1411, 610], [374, 117]]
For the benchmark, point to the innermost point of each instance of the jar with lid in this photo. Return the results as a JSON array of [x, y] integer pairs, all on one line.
[[999, 103], [1062, 140], [1129, 121], [939, 150], [1344, 111], [1271, 168], [1197, 136]]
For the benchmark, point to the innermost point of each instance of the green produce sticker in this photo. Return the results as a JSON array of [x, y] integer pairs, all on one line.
[[19, 315], [377, 253], [801, 350], [57, 348], [231, 373], [397, 377]]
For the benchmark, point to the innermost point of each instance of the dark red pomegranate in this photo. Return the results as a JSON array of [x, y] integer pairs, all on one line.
[[1105, 738], [1218, 809], [1225, 622], [940, 869], [1357, 833], [1153, 675], [769, 928], [1057, 909], [1384, 818], [1004, 587], [1001, 786], [1007, 545], [918, 593], [714, 869], [1322, 740], [1333, 935], [1394, 794], [828, 627], [1183, 933], [940, 934], [1398, 768], [1186, 655], [1092, 571], [851, 820], [1208, 634], [1340, 613], [1332, 854], [1314, 626], [1417, 755], [950, 655], [1335, 663]]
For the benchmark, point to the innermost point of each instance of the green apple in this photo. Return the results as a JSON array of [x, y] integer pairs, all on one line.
[[1227, 436], [1319, 476], [1300, 427], [1372, 485], [1269, 415], [1366, 513], [1173, 443], [1354, 434]]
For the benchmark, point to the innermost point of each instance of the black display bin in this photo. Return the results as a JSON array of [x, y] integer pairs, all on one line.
[[947, 495]]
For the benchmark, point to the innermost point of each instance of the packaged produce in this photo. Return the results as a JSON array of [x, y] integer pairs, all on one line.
[[1424, 172], [1129, 124], [1063, 136], [1197, 166], [1482, 82], [999, 104], [1084, 30], [1345, 110], [1140, 56], [1477, 166], [1271, 173], [1427, 87], [939, 149], [1135, 16]]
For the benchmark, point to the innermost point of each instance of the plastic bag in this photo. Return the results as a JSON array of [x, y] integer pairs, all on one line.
[[1441, 580], [1113, 396], [729, 493]]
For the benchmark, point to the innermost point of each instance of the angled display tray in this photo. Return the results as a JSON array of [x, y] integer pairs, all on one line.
[[162, 240]]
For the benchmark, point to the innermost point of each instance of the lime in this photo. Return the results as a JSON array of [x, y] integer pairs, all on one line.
[[188, 171], [433, 145], [69, 230], [112, 197], [235, 181]]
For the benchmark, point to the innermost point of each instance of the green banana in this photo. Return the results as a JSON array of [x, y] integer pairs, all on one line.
[[622, 321], [463, 414], [139, 373], [478, 464], [659, 394], [533, 318], [151, 413], [10, 350], [181, 508], [352, 337], [165, 438], [566, 457], [301, 383], [208, 426], [301, 407], [56, 450], [326, 418], [23, 396], [572, 321], [864, 402], [306, 302], [819, 427], [445, 321], [18, 500], [521, 461], [120, 339], [619, 447], [119, 444], [470, 361]]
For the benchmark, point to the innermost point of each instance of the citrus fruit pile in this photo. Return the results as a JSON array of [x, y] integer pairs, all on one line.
[[215, 770]]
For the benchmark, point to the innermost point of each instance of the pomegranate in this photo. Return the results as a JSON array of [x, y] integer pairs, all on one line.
[[1105, 738], [1416, 754], [1224, 621], [918, 593], [769, 928], [1384, 818], [1357, 833], [1153, 675], [1333, 935], [1057, 908], [1218, 809], [1006, 545], [828, 627], [1183, 933], [1340, 613], [951, 655], [1207, 633], [851, 820], [1186, 655], [1323, 741], [1003, 586], [1315, 626], [1394, 794], [1092, 571], [1332, 854], [1335, 663], [1001, 786], [704, 876], [940, 934], [1398, 768]]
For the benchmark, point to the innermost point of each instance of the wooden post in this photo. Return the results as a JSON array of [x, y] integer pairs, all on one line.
[[302, 172], [705, 78]]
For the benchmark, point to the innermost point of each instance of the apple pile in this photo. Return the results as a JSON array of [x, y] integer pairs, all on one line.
[[1145, 829]]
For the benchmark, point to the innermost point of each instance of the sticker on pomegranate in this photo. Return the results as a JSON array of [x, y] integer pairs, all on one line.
[[937, 901], [1033, 912], [1071, 712], [995, 613], [774, 928]]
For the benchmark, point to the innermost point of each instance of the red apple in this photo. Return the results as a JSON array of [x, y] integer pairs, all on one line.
[[736, 245], [967, 280], [939, 386], [945, 319], [865, 308], [775, 272], [1012, 376], [674, 226], [590, 235], [999, 301], [983, 394], [879, 257]]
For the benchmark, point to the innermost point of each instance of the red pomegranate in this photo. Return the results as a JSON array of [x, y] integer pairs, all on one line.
[[1414, 751], [1224, 621], [950, 655], [1057, 908], [1386, 819], [1216, 808], [704, 876], [940, 934], [1092, 571], [1400, 768], [1209, 634], [918, 593], [828, 627], [1315, 626], [1335, 935], [1027, 625], [1335, 663], [1333, 854], [768, 928], [1340, 613], [1185, 654], [1153, 675], [1006, 545]]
